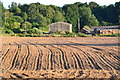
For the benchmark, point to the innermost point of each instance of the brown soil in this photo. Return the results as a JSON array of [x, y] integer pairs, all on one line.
[[40, 57]]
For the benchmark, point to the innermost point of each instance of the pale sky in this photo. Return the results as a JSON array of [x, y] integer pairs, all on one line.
[[57, 2]]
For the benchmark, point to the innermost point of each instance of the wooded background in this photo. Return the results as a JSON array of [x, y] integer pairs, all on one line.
[[36, 17]]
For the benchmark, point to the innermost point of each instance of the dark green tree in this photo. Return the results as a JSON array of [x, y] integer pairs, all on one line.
[[49, 14], [24, 8], [71, 15], [40, 20], [15, 9], [93, 5], [117, 7], [39, 15], [13, 6], [58, 17], [86, 17], [24, 16], [17, 19], [26, 25], [111, 14], [1, 13]]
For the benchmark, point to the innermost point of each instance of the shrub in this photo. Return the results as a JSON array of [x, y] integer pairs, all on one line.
[[69, 33], [22, 35], [62, 32], [7, 31], [110, 35], [82, 35], [17, 30], [55, 35], [35, 31]]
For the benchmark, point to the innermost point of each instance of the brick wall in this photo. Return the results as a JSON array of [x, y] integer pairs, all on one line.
[[109, 31]]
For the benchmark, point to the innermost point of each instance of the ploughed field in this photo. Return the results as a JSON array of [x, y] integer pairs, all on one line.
[[57, 57]]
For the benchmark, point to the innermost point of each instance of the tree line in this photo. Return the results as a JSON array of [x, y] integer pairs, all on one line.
[[36, 17]]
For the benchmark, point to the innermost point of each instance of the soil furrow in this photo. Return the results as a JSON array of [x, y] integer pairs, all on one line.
[[76, 59], [45, 58], [99, 55], [14, 61], [68, 57], [49, 57], [60, 57], [7, 63], [88, 62], [104, 53], [95, 57], [22, 56], [5, 52], [63, 55], [25, 64]]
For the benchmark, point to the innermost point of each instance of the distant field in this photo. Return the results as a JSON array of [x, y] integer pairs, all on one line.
[[89, 57]]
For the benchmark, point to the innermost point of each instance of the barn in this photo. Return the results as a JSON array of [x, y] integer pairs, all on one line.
[[60, 26], [106, 29]]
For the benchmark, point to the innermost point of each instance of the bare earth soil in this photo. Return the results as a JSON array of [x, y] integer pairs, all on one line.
[[57, 57]]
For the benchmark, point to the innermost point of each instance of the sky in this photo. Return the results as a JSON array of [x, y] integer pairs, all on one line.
[[57, 2]]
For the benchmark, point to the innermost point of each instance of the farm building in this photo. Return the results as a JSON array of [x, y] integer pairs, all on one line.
[[60, 26], [106, 29], [85, 29]]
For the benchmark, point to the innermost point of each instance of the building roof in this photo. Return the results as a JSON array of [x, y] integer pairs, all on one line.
[[106, 27], [60, 23], [86, 29]]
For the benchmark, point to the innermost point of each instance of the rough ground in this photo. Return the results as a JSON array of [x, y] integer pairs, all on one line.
[[90, 57]]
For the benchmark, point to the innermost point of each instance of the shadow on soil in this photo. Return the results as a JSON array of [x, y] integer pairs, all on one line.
[[116, 44]]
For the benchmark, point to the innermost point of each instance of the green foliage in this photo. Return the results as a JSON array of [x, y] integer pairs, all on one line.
[[40, 20], [7, 25], [87, 27], [12, 25], [26, 25], [24, 7], [105, 23], [71, 15], [63, 34], [16, 30], [17, 11], [87, 18], [69, 33], [44, 29], [24, 15], [39, 16], [49, 13], [7, 31], [35, 31], [117, 7], [34, 24], [13, 22], [1, 12], [108, 14], [110, 35], [82, 35], [21, 35], [13, 6], [17, 19], [58, 17], [16, 25], [55, 35], [93, 5]]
